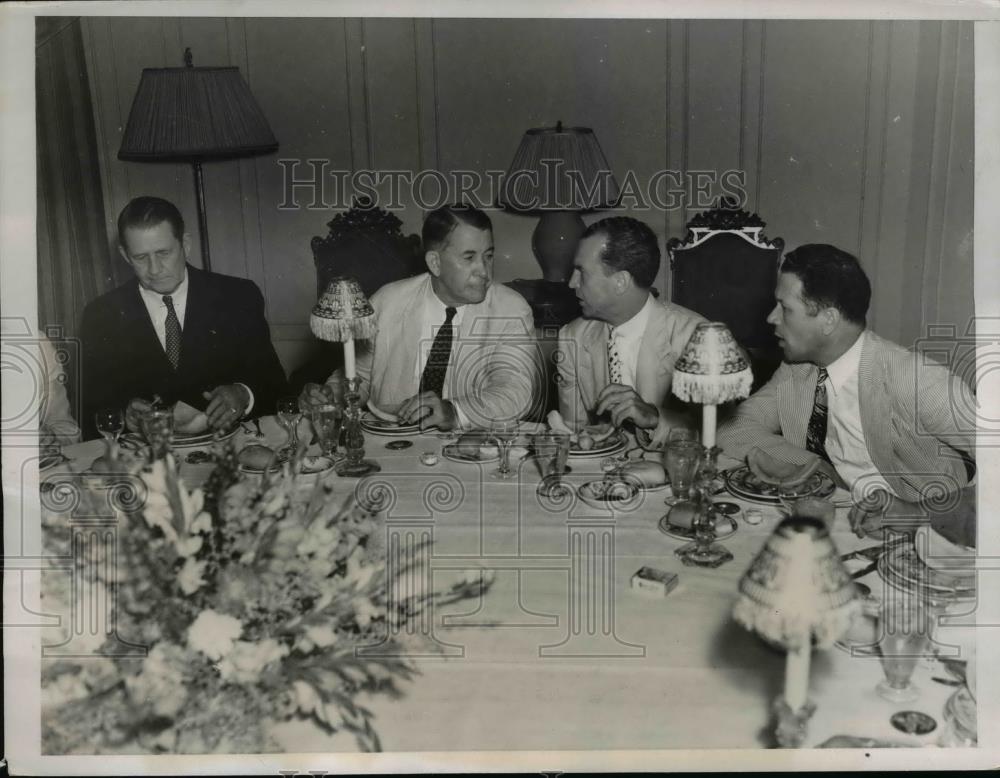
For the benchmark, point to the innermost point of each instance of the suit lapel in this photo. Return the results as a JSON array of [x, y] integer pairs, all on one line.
[[594, 363], [197, 313], [875, 407], [795, 404], [136, 321], [653, 369]]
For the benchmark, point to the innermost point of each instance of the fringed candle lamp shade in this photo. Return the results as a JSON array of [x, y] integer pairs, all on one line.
[[797, 593], [343, 313], [712, 369]]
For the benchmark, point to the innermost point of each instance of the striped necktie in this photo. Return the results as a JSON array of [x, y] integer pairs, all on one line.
[[173, 332], [436, 368], [816, 431]]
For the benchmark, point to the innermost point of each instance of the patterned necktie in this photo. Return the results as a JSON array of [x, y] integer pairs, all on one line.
[[816, 432], [436, 368], [173, 329], [614, 359]]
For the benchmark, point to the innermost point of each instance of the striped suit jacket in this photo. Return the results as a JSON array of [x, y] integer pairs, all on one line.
[[910, 416]]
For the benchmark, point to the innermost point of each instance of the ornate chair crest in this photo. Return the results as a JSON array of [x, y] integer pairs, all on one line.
[[726, 270]]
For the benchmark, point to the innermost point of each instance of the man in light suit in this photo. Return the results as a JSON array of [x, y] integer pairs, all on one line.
[[618, 358], [175, 331], [453, 349], [880, 419]]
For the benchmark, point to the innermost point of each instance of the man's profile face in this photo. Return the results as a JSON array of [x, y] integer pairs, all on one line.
[[595, 287], [463, 266], [800, 333], [156, 256]]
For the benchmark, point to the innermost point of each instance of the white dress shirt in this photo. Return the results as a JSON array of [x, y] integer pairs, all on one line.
[[432, 317], [158, 315], [627, 337], [845, 438]]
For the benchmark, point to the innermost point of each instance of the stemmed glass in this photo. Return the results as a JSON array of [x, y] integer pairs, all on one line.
[[158, 429], [289, 414], [504, 432], [551, 453], [327, 421], [905, 633], [682, 459], [110, 423]]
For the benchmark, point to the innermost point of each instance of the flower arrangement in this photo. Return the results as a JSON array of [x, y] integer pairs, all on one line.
[[251, 598]]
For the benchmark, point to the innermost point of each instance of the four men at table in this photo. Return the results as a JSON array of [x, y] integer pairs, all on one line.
[[454, 349]]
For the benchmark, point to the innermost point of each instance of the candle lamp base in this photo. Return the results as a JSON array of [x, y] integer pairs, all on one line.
[[699, 555], [791, 726]]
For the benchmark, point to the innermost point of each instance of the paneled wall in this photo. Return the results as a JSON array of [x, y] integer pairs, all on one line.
[[854, 133]]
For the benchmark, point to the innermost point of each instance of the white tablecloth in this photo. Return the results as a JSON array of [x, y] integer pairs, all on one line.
[[541, 664]]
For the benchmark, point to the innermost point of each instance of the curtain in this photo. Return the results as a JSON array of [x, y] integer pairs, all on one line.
[[74, 258]]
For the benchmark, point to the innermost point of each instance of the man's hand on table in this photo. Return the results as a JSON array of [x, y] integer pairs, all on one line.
[[314, 395], [429, 410], [623, 403], [226, 405], [879, 510]]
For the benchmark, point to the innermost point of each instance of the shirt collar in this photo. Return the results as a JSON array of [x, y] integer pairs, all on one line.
[[178, 296], [846, 366], [437, 310], [636, 326]]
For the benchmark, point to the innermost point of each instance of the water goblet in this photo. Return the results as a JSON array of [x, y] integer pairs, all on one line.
[[904, 636], [682, 459], [504, 432], [551, 453], [289, 414], [110, 423], [327, 421], [158, 429]]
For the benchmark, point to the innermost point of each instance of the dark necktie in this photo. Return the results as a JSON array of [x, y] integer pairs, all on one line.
[[436, 368], [816, 432], [173, 329]]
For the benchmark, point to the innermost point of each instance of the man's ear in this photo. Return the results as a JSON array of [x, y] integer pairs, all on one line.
[[831, 319], [186, 245], [125, 256], [623, 280], [433, 260]]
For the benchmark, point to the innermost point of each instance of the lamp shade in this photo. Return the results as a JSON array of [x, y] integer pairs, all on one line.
[[796, 589], [559, 169], [343, 313], [712, 370], [191, 114]]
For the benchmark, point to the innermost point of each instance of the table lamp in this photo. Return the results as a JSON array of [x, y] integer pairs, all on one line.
[[195, 115], [342, 314], [557, 172], [710, 371], [796, 594]]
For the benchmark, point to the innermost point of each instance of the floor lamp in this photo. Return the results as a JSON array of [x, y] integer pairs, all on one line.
[[195, 115]]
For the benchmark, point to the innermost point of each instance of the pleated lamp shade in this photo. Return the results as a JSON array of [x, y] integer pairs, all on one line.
[[559, 168], [343, 313], [190, 114], [711, 370]]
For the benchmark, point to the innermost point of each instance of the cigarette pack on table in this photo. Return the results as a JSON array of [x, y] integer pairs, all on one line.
[[654, 581]]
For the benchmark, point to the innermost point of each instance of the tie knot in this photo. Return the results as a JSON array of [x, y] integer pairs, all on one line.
[[823, 375], [449, 314], [168, 301]]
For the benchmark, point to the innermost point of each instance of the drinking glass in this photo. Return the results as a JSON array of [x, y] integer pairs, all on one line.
[[904, 636], [289, 414], [504, 432], [682, 458], [551, 453], [327, 421], [158, 429], [682, 433], [110, 423]]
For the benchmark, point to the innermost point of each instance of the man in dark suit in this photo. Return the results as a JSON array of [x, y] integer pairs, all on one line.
[[176, 332]]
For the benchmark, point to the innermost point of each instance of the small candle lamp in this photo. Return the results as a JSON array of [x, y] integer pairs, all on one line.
[[710, 371], [342, 314], [797, 594]]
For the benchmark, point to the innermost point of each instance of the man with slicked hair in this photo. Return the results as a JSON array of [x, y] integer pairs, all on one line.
[[873, 412], [453, 349], [617, 360]]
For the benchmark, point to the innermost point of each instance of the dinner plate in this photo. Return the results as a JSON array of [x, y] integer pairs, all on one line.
[[900, 567], [608, 494], [613, 444], [390, 428], [724, 527], [49, 460], [452, 452], [744, 484], [200, 439]]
